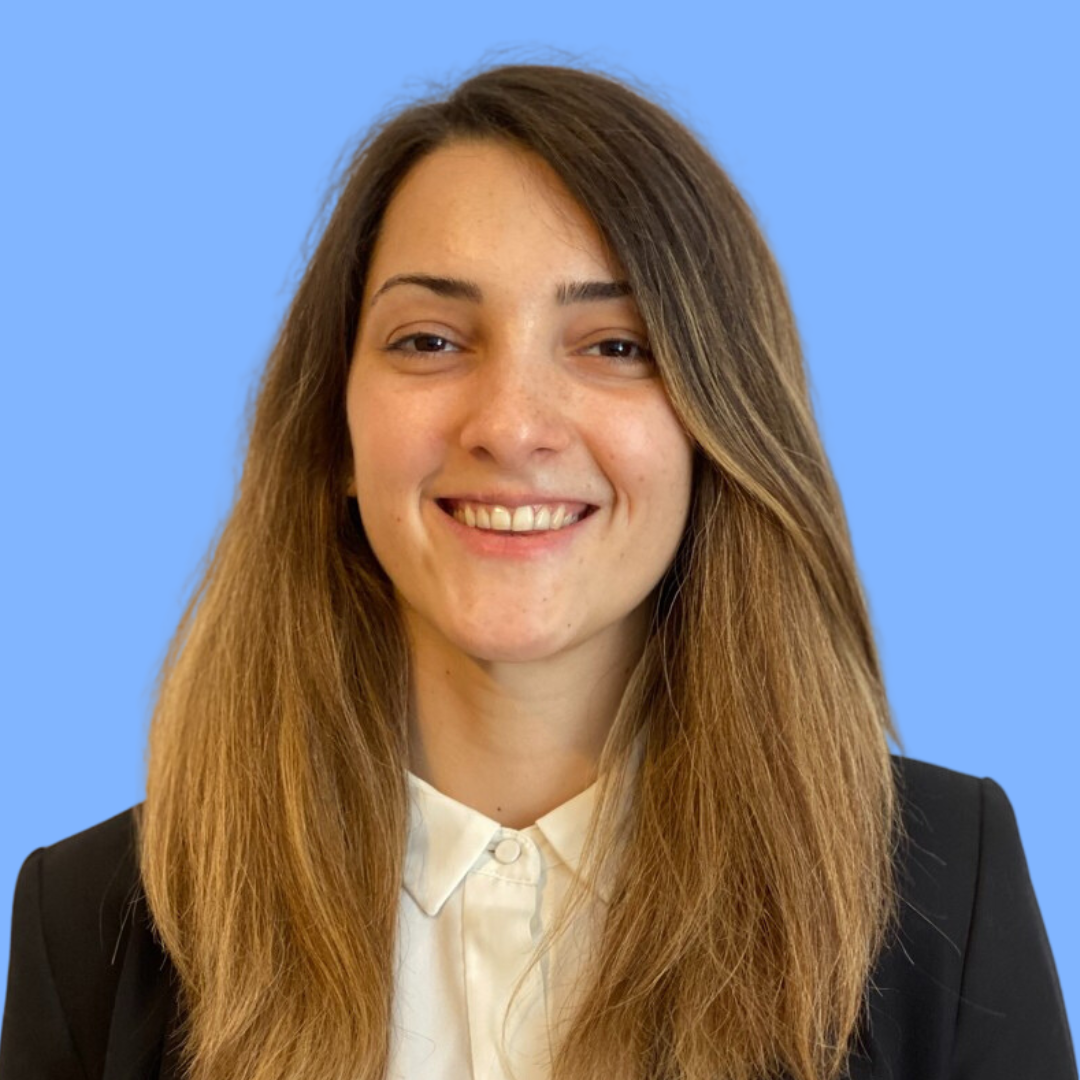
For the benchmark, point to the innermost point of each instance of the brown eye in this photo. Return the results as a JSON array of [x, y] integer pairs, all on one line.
[[426, 343], [623, 350]]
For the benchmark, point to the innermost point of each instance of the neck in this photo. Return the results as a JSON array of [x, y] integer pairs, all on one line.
[[515, 740]]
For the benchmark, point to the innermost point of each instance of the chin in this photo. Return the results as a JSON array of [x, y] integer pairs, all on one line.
[[511, 646]]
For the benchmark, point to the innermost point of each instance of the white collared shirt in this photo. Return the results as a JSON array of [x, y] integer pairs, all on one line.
[[476, 899]]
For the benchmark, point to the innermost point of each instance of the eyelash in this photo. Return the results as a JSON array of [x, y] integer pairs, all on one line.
[[644, 351]]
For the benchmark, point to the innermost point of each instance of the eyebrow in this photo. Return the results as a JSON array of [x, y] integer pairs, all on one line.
[[567, 292]]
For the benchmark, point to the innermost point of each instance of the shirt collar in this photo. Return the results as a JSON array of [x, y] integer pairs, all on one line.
[[446, 838]]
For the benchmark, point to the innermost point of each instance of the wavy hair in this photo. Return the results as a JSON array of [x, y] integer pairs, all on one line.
[[755, 867]]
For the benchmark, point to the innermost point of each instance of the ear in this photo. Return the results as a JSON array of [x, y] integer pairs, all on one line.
[[350, 488]]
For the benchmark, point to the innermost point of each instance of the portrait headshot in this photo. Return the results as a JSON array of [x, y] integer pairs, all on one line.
[[552, 576]]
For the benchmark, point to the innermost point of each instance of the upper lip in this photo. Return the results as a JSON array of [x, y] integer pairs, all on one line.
[[511, 500]]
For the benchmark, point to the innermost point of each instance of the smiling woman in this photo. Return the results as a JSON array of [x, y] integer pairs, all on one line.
[[523, 489], [528, 720]]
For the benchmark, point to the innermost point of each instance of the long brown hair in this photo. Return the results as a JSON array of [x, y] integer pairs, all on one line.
[[754, 871]]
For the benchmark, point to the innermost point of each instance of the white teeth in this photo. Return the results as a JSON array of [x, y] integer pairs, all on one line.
[[521, 519]]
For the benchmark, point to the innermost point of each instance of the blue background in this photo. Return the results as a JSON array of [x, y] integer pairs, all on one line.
[[914, 166]]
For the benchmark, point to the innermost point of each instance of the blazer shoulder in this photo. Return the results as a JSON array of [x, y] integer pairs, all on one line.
[[75, 905], [943, 815], [88, 880], [970, 967], [93, 856], [927, 786]]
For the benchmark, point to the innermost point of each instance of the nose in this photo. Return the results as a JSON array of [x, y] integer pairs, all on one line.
[[516, 409]]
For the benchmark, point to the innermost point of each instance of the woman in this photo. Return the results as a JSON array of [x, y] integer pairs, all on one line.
[[528, 720]]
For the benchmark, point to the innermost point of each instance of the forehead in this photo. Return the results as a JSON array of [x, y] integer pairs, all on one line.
[[484, 208]]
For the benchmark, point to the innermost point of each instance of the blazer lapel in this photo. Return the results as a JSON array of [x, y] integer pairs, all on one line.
[[145, 1007]]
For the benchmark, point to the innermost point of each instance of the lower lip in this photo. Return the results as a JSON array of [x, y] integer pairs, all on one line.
[[512, 545]]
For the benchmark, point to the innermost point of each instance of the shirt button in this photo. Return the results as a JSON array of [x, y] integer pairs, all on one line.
[[507, 851]]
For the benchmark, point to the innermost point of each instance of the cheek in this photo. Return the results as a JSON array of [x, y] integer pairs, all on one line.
[[384, 474], [650, 461], [392, 449]]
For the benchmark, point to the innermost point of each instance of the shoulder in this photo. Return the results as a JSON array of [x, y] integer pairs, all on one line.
[[937, 860], [942, 818], [960, 846], [928, 787], [76, 902], [85, 886], [969, 968], [93, 865], [959, 837]]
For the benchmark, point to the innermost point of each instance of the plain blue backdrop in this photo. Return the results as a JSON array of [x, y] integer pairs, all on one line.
[[913, 165]]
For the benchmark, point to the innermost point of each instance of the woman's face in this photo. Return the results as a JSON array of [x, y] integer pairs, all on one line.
[[520, 473]]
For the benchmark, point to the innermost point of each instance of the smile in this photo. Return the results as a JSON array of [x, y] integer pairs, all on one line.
[[545, 517]]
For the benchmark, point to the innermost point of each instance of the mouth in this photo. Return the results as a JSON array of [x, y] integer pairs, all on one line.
[[528, 519]]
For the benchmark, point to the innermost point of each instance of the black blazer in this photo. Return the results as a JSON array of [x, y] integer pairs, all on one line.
[[968, 991]]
